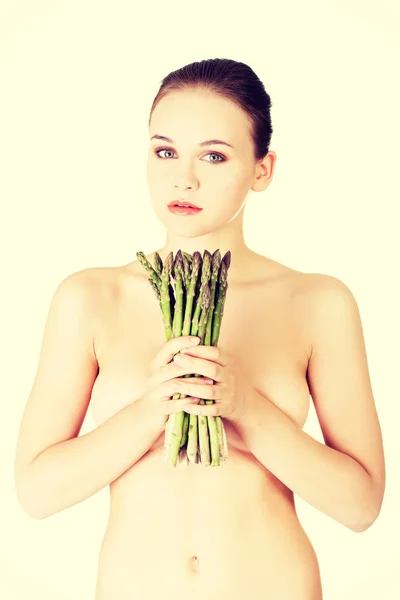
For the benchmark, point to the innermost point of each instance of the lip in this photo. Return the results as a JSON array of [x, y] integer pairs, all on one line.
[[183, 210], [184, 204]]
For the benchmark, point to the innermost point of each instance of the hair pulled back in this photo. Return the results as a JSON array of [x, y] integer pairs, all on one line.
[[230, 79]]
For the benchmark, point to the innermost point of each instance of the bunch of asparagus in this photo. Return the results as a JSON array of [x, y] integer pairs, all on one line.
[[191, 291]]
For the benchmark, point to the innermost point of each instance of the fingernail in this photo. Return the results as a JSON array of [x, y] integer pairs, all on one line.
[[194, 340]]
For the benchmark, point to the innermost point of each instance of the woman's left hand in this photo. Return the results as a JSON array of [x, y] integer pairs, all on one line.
[[230, 392]]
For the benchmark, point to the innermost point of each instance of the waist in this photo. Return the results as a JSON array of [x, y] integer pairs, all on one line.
[[205, 526]]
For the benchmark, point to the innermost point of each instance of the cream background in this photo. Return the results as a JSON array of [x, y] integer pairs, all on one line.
[[77, 82]]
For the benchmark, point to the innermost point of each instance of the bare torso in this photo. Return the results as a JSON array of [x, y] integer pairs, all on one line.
[[205, 532]]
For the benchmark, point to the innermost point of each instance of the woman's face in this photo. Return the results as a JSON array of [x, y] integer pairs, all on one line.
[[215, 177]]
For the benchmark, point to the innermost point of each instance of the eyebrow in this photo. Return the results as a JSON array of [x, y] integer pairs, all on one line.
[[206, 143]]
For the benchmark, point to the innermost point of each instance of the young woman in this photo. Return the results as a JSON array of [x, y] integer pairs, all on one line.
[[197, 532]]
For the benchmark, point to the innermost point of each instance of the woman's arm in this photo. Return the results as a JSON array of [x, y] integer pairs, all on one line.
[[73, 470], [345, 477], [54, 468]]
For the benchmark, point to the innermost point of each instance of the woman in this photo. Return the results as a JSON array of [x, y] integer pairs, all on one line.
[[228, 532]]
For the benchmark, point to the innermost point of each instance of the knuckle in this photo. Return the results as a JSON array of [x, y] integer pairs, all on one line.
[[214, 372], [176, 384]]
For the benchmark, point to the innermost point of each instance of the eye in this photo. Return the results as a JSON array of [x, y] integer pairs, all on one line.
[[220, 156]]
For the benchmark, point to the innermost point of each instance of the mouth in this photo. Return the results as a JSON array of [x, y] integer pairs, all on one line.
[[180, 204]]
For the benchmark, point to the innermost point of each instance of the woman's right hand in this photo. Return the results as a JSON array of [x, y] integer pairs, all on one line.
[[163, 382]]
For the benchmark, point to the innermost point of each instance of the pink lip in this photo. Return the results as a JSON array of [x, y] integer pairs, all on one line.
[[184, 204], [183, 210]]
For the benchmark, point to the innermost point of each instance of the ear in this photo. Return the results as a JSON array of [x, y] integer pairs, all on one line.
[[264, 172]]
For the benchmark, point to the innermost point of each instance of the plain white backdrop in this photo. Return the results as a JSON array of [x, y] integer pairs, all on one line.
[[77, 83]]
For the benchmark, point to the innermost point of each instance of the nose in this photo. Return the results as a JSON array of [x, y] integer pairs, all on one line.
[[186, 184]]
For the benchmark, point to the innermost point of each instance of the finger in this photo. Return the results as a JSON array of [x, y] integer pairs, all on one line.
[[172, 386], [201, 366], [212, 353], [174, 406], [173, 371], [172, 346], [204, 410], [207, 392]]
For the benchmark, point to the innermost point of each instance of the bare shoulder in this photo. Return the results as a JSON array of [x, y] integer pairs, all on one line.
[[320, 290], [324, 302], [98, 283], [317, 299]]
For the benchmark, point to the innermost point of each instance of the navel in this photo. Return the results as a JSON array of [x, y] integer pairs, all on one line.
[[194, 561]]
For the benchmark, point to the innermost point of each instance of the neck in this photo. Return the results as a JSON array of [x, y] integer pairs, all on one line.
[[230, 238]]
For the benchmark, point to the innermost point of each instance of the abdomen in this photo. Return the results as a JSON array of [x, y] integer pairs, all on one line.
[[242, 530]]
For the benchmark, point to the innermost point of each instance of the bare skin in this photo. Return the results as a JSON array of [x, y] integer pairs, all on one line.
[[226, 532]]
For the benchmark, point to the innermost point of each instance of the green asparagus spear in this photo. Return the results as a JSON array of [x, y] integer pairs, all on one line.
[[212, 422], [158, 264], [185, 430], [205, 434], [190, 293], [204, 439], [219, 305], [187, 256], [186, 270], [205, 276], [227, 259], [145, 263], [156, 290], [178, 419], [223, 447], [215, 266], [193, 439], [179, 291], [205, 304], [165, 297]]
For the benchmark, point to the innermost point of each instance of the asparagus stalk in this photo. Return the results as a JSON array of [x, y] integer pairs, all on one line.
[[177, 428], [165, 296], [156, 290], [145, 263], [204, 441], [191, 421], [203, 264], [223, 447], [188, 256], [185, 430], [182, 458], [158, 264], [191, 272], [179, 295], [193, 439], [227, 259], [205, 276], [220, 302], [216, 263], [190, 293], [204, 431], [212, 421], [186, 271]]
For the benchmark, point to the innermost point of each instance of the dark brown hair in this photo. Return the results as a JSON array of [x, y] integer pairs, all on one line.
[[230, 79]]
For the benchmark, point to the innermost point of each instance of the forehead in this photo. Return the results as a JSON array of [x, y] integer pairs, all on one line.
[[199, 116]]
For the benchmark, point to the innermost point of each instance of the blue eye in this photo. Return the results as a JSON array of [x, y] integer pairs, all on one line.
[[220, 156]]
